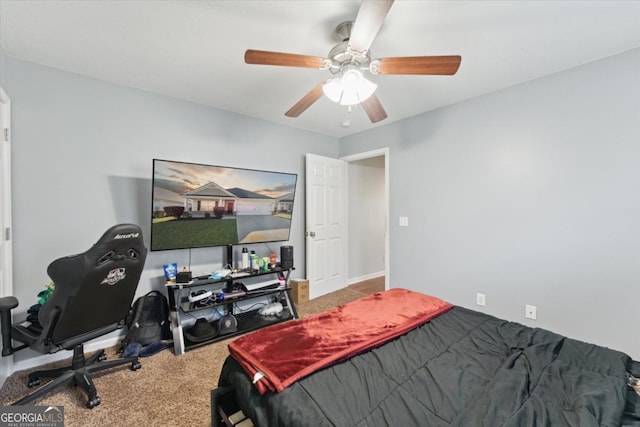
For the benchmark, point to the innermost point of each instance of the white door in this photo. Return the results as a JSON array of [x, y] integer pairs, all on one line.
[[326, 241], [6, 276]]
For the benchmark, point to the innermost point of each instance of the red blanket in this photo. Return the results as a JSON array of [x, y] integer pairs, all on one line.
[[277, 356]]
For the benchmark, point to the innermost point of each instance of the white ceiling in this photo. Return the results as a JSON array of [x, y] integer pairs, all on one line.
[[194, 50]]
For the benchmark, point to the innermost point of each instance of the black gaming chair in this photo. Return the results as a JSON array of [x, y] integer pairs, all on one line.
[[93, 293]]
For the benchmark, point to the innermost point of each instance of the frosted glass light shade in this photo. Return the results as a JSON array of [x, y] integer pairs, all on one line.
[[350, 89], [333, 89]]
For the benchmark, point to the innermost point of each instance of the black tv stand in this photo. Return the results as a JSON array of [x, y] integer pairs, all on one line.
[[230, 257], [183, 312]]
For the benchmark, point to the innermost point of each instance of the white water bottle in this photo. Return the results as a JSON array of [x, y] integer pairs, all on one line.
[[245, 258]]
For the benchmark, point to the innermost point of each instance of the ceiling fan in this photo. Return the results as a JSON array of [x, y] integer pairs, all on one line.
[[350, 58]]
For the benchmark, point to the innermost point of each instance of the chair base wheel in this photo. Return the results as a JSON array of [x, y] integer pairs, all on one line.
[[92, 403]]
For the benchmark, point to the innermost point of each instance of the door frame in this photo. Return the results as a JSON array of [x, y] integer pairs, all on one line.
[[367, 155], [6, 282], [6, 255]]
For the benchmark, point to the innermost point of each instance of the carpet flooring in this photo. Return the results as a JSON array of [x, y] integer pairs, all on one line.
[[167, 391]]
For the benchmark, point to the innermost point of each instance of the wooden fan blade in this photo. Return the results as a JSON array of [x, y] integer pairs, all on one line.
[[374, 109], [367, 24], [305, 102], [263, 57], [434, 65]]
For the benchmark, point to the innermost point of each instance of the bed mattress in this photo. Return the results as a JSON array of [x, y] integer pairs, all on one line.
[[462, 368]]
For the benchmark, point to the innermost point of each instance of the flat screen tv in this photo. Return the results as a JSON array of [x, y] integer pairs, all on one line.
[[197, 205]]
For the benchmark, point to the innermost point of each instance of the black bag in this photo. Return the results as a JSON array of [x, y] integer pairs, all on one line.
[[148, 320]]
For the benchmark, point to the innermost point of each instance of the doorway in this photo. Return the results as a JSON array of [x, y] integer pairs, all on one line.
[[338, 242], [367, 223]]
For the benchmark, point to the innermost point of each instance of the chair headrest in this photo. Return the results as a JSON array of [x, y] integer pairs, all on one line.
[[123, 232], [120, 238]]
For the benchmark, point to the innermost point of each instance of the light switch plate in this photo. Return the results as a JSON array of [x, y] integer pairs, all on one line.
[[404, 221]]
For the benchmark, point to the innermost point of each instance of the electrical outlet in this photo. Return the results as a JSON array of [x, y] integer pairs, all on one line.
[[480, 299], [530, 311], [404, 221]]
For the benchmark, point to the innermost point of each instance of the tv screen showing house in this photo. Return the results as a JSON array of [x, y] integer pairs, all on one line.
[[197, 205]]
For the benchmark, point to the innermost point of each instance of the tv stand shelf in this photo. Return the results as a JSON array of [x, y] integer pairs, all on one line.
[[183, 311]]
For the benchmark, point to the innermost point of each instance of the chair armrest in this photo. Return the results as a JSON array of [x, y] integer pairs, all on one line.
[[8, 303]]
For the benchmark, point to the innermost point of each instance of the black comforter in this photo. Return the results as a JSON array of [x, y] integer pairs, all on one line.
[[463, 368]]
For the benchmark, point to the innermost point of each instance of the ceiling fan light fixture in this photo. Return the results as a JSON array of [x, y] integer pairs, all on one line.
[[333, 89], [348, 59], [350, 89]]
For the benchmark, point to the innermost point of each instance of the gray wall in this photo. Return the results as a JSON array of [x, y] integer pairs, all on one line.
[[82, 161], [3, 67], [528, 195]]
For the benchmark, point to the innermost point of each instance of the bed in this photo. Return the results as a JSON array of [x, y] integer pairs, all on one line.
[[457, 368]]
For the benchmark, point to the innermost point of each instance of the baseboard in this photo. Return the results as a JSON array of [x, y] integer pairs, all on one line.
[[355, 280]]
